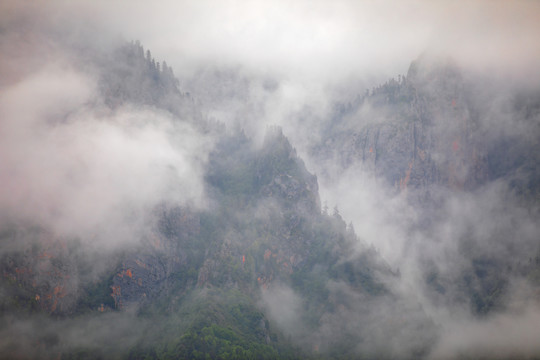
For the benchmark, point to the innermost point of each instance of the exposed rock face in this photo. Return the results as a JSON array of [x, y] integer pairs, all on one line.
[[437, 135], [417, 132]]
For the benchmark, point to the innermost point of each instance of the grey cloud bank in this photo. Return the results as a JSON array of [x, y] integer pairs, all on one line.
[[81, 169]]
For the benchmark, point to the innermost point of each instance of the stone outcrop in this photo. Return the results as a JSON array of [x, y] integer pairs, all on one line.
[[413, 133]]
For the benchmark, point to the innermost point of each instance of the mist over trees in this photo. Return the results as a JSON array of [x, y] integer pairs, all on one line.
[[315, 198]]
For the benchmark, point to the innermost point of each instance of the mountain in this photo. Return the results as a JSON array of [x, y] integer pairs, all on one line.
[[205, 281], [256, 268], [434, 127], [461, 149]]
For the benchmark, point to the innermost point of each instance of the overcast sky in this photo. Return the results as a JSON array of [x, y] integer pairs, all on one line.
[[333, 37], [313, 39]]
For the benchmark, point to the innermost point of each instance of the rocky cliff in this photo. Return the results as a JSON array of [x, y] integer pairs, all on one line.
[[436, 126], [438, 136]]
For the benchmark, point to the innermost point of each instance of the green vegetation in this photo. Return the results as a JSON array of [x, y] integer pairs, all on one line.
[[211, 324], [97, 294]]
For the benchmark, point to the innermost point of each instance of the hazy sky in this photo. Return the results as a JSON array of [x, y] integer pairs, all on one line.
[[321, 39], [332, 38]]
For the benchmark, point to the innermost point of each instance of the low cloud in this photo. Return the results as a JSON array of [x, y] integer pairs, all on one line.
[[503, 336], [80, 168], [43, 338]]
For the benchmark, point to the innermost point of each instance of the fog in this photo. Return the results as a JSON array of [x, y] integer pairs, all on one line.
[[66, 162], [38, 337], [328, 40], [84, 170]]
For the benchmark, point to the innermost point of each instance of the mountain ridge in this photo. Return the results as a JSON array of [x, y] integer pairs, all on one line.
[[260, 270]]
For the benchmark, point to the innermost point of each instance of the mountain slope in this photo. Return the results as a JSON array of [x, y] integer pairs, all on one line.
[[435, 127], [257, 271], [460, 152]]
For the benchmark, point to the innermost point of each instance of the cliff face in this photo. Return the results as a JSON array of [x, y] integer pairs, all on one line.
[[420, 131], [440, 136]]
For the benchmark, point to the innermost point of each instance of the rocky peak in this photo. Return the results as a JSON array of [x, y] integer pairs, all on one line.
[[284, 175], [413, 134]]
